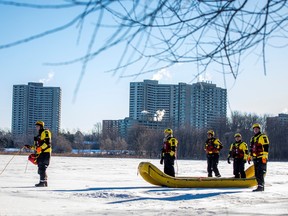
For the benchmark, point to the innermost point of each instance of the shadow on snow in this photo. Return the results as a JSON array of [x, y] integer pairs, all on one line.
[[153, 189]]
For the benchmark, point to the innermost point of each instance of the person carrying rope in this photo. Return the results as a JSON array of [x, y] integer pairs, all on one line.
[[43, 149]]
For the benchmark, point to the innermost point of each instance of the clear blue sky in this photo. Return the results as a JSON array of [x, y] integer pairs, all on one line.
[[103, 95]]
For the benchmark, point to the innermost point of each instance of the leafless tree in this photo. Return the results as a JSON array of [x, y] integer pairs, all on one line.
[[158, 34], [79, 140], [5, 139], [61, 144]]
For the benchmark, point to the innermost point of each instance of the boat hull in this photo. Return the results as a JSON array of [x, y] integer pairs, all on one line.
[[153, 175]]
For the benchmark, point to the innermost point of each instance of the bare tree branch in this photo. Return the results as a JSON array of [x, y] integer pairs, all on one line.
[[159, 34]]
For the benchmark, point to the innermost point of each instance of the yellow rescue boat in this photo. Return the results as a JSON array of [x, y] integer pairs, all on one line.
[[153, 175]]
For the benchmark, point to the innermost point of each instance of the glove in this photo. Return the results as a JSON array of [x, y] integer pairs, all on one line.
[[161, 161], [249, 160], [38, 150], [228, 160], [172, 153], [27, 146], [264, 160]]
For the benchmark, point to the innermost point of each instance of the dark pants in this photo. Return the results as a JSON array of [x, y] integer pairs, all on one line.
[[169, 165], [238, 168], [43, 162], [260, 170], [212, 164]]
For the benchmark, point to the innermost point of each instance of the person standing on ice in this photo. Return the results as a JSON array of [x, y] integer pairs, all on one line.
[[42, 148], [259, 147], [169, 151], [212, 148], [239, 153]]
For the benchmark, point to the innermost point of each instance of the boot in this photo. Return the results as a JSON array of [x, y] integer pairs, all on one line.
[[259, 188], [217, 174], [42, 184]]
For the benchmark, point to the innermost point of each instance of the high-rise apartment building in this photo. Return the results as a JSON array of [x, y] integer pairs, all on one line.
[[149, 100], [208, 105], [35, 102], [198, 105]]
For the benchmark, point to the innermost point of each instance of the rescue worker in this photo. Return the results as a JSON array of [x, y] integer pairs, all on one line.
[[212, 148], [43, 149], [239, 153], [169, 152], [259, 148]]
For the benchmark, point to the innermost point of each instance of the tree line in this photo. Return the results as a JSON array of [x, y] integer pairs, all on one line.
[[148, 142]]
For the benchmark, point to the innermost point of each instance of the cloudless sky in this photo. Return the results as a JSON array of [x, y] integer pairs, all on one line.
[[104, 95]]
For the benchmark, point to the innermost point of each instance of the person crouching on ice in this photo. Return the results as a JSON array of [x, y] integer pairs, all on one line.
[[168, 153], [42, 148], [239, 153]]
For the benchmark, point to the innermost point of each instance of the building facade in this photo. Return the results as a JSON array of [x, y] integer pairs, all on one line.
[[280, 121], [35, 102], [158, 106], [150, 101], [199, 105], [208, 105]]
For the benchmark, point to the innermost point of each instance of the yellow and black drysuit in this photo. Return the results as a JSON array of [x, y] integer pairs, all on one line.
[[259, 148], [168, 154], [43, 149], [239, 153], [212, 148]]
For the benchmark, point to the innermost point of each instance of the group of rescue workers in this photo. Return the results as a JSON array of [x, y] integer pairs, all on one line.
[[259, 146], [239, 152]]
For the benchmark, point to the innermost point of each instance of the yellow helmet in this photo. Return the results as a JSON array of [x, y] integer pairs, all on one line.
[[40, 123], [168, 130], [211, 132], [256, 125], [237, 135]]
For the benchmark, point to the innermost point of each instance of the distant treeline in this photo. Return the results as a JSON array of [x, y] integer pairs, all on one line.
[[146, 142]]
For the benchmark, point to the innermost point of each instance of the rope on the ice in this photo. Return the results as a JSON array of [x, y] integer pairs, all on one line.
[[176, 167], [26, 166], [10, 160], [176, 159]]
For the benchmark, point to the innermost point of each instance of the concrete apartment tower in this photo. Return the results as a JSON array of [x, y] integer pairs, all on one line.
[[199, 105], [35, 102]]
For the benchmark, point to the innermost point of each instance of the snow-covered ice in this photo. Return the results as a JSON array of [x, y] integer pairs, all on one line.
[[112, 186]]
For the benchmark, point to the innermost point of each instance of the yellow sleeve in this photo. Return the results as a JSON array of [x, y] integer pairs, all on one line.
[[174, 142], [244, 148], [46, 134], [263, 140], [218, 143]]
